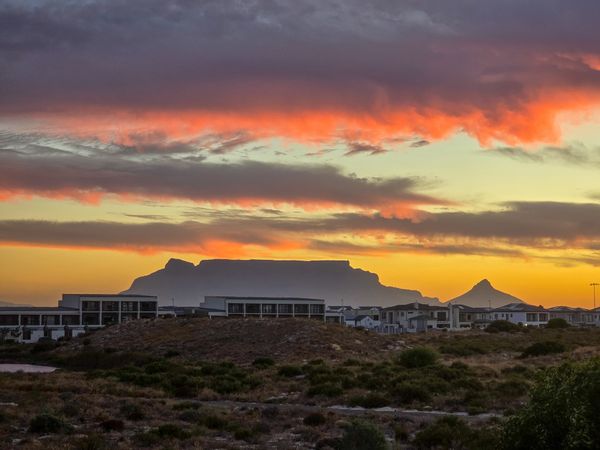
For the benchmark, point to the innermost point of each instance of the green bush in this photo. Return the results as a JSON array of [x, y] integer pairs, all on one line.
[[504, 326], [418, 357], [544, 348], [370, 400], [325, 390], [170, 430], [112, 425], [290, 371], [562, 413], [453, 433], [132, 411], [213, 422], [315, 420], [362, 435], [47, 423], [407, 392], [557, 323], [263, 363]]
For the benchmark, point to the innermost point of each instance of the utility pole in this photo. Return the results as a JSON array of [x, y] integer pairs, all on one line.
[[593, 285]]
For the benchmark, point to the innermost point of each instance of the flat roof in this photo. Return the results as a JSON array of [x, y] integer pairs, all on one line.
[[233, 297], [38, 308], [111, 295]]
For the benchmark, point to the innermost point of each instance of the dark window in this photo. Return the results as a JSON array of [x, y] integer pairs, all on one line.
[[30, 320], [442, 315], [91, 319], [129, 306], [531, 317], [285, 309], [300, 309], [110, 306], [543, 317], [235, 308], [110, 318], [148, 306], [252, 308], [317, 309], [50, 320], [125, 317], [70, 320], [269, 309], [26, 334], [88, 305], [147, 315], [12, 319]]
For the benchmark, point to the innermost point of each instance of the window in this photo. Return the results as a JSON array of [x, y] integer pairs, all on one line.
[[87, 305], [543, 317], [300, 309], [148, 306], [126, 317], [285, 309], [110, 306], [30, 320], [12, 319], [317, 309], [110, 318], [129, 306], [147, 315], [91, 319], [235, 308], [70, 320], [26, 334], [269, 309], [442, 316], [50, 320], [531, 317], [252, 308]]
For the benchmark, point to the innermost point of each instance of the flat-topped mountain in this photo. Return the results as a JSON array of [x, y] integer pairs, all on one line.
[[483, 294], [334, 281]]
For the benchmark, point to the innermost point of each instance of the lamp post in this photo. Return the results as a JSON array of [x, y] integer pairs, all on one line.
[[593, 285]]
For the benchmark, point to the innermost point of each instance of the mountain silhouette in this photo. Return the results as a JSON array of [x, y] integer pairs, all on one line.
[[484, 295], [184, 283]]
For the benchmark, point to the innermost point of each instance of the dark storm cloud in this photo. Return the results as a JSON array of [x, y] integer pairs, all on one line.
[[371, 59], [26, 170]]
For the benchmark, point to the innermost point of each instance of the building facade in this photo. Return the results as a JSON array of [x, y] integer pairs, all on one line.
[[74, 314], [265, 307]]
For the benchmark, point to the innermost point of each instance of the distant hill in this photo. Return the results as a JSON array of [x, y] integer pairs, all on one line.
[[333, 281], [483, 294], [10, 304]]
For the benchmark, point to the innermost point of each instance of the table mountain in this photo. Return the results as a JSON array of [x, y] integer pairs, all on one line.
[[334, 281]]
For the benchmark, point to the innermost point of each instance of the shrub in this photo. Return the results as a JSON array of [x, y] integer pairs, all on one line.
[[400, 433], [512, 388], [243, 434], [325, 390], [132, 411], [214, 422], [370, 400], [543, 348], [562, 412], [44, 345], [452, 432], [170, 430], [171, 353], [315, 420], [47, 423], [459, 348], [190, 415], [406, 393], [418, 357], [362, 436], [290, 371], [505, 326], [557, 323], [112, 425], [92, 442], [263, 363]]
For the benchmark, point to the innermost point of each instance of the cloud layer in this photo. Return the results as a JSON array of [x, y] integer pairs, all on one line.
[[366, 71]]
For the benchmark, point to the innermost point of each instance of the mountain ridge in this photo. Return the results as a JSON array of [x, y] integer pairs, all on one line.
[[183, 283], [483, 294]]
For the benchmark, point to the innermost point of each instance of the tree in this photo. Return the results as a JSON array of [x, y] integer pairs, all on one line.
[[563, 412]]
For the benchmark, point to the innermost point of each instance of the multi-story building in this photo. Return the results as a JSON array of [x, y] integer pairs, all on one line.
[[74, 314], [265, 307]]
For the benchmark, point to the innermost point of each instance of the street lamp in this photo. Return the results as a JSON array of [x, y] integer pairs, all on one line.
[[593, 285]]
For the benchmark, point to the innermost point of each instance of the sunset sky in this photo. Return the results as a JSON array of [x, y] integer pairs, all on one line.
[[433, 142]]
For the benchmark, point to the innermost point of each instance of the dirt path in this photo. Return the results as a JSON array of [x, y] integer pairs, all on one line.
[[408, 414]]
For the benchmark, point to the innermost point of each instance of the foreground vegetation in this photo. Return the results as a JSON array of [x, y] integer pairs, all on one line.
[[519, 388]]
